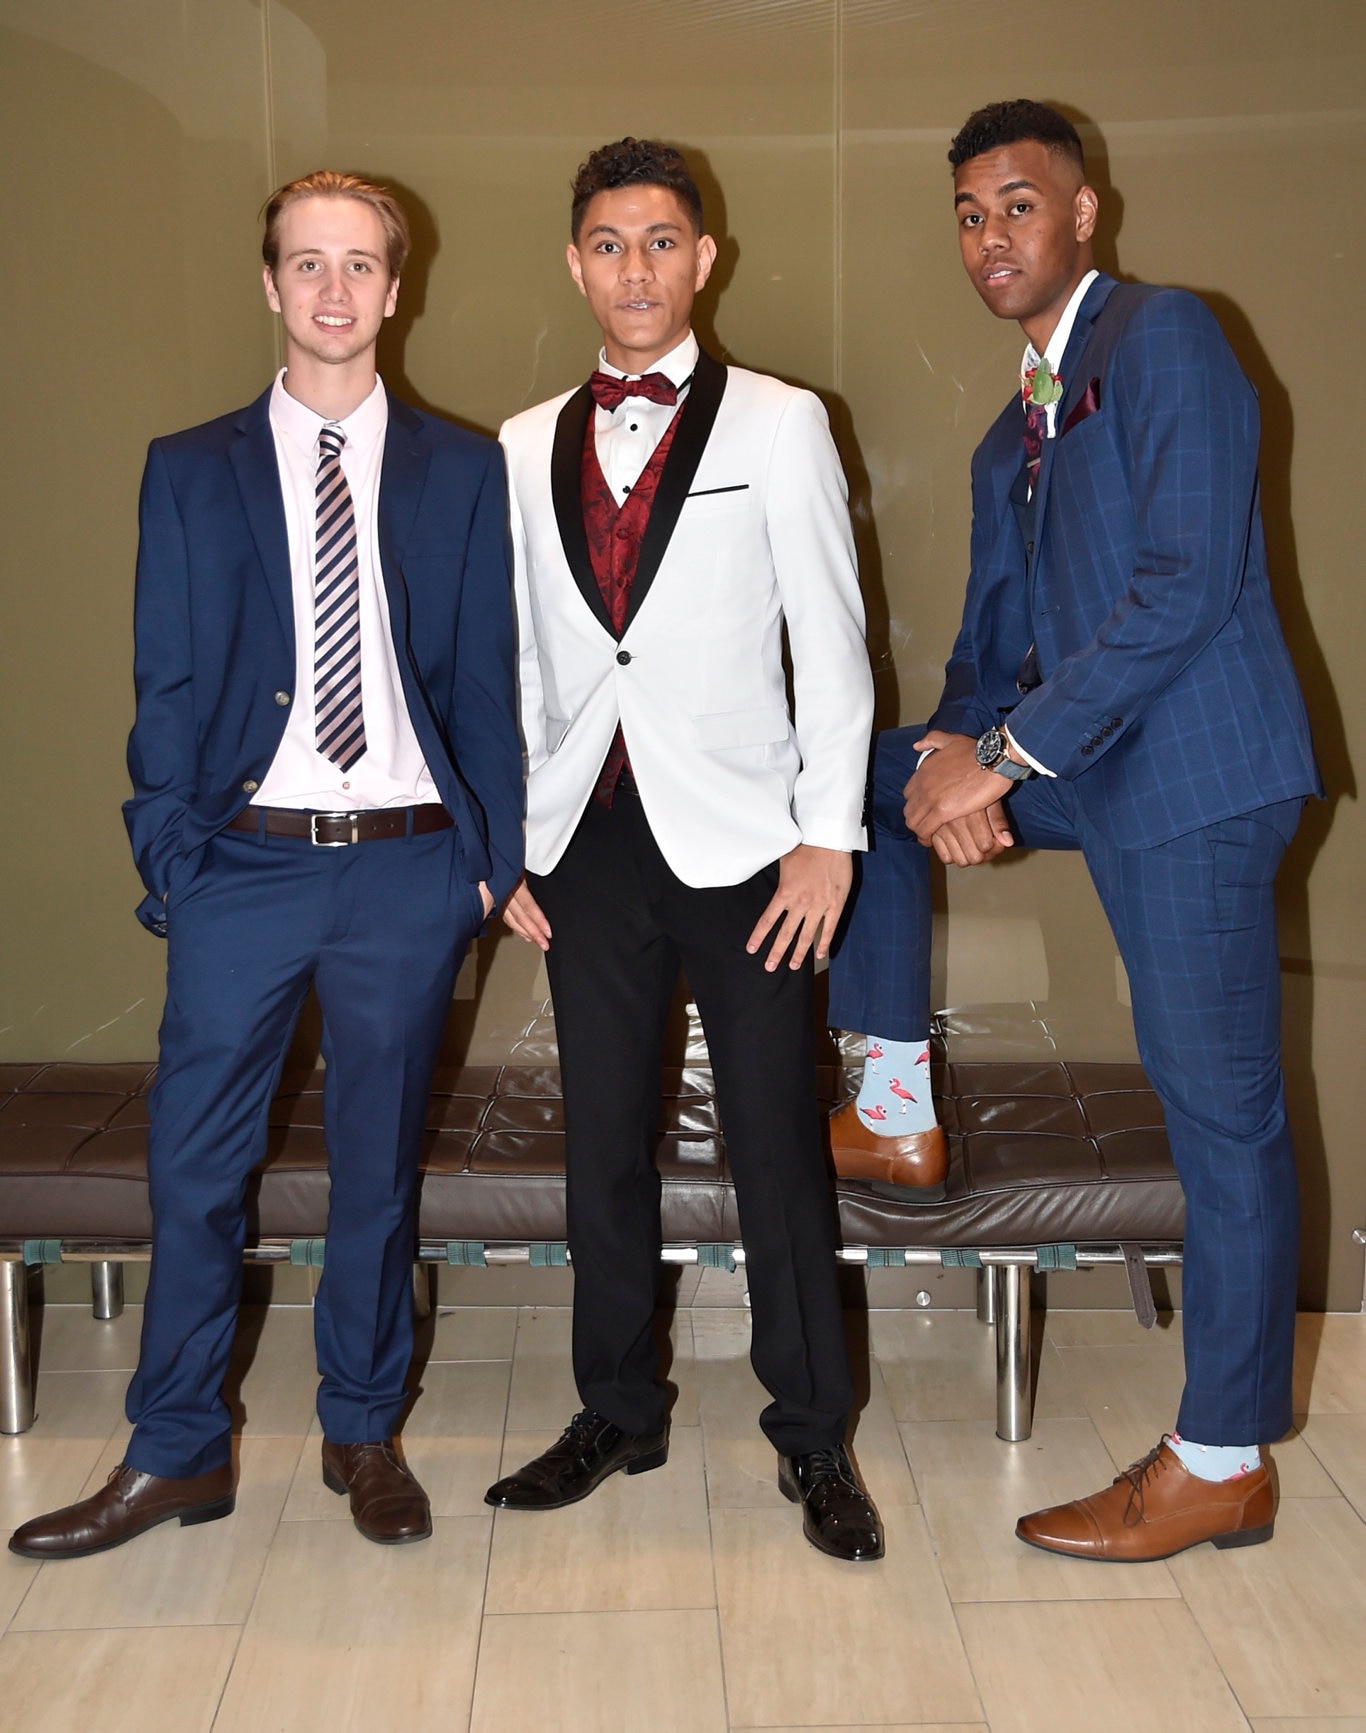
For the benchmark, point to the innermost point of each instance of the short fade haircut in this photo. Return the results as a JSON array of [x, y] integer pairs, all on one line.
[[326, 183], [634, 162], [1018, 122]]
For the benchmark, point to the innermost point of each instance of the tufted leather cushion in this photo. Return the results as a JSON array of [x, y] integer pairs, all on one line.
[[1041, 1154]]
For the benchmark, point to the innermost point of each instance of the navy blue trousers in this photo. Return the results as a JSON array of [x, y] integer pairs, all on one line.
[[1195, 923], [379, 929]]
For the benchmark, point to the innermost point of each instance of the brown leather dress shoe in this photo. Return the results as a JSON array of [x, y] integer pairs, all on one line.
[[1156, 1508], [128, 1504], [919, 1160], [387, 1504]]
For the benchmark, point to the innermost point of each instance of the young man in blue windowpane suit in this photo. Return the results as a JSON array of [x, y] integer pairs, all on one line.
[[1120, 685]]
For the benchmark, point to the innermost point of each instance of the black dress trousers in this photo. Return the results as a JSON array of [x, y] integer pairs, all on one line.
[[622, 927]]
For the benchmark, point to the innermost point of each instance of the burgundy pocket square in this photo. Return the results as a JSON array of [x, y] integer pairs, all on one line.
[[1086, 405]]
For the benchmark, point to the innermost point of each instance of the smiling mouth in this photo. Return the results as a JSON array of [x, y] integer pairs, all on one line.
[[334, 321], [639, 306]]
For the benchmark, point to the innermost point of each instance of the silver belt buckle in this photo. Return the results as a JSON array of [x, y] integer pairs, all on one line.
[[317, 841]]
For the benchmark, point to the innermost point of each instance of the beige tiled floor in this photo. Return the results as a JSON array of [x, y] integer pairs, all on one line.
[[686, 1598]]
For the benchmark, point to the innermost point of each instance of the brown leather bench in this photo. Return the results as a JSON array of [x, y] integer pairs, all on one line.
[[1054, 1166]]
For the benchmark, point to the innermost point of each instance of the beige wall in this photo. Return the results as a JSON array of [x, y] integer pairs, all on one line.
[[1229, 143]]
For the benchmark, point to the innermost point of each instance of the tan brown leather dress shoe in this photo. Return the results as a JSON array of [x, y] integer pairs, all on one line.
[[1156, 1508], [920, 1159], [128, 1504], [387, 1504]]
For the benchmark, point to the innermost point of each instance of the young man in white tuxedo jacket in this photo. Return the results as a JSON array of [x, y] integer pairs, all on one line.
[[670, 518]]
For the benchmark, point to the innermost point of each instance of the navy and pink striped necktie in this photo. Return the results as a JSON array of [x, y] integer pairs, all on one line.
[[339, 719]]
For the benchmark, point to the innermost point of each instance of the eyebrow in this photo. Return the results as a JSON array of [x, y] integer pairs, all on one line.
[[1001, 191], [653, 229], [351, 253]]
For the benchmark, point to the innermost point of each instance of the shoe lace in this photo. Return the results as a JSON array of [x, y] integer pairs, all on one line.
[[581, 1427], [830, 1463], [1137, 1475]]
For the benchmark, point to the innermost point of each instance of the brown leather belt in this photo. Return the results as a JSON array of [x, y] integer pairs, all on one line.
[[333, 829]]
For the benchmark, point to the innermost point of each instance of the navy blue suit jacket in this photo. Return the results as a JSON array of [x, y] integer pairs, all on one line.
[[215, 634], [1168, 697]]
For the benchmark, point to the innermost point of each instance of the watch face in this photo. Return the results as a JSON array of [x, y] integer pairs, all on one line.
[[991, 746]]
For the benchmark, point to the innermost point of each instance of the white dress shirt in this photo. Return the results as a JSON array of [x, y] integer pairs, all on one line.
[[626, 437], [392, 770], [1056, 346]]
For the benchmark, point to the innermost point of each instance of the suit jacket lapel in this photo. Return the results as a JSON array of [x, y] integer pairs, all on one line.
[[696, 420], [257, 471], [1074, 386], [566, 490], [402, 476]]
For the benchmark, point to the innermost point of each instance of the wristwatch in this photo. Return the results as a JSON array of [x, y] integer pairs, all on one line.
[[993, 754]]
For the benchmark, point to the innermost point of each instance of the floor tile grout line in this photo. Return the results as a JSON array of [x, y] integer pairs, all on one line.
[[711, 1550], [493, 1525], [1340, 1489], [260, 1578], [108, 1439], [953, 1613]]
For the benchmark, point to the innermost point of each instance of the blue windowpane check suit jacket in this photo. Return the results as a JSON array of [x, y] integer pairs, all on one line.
[[215, 634], [1168, 696]]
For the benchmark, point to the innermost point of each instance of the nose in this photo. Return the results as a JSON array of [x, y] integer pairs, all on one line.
[[993, 235], [335, 286], [636, 265]]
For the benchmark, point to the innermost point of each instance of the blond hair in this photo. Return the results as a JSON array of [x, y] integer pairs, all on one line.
[[326, 183]]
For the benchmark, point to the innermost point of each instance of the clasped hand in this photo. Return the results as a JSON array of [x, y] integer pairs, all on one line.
[[953, 805]]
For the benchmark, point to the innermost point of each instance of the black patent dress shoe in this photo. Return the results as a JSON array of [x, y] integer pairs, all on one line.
[[837, 1515], [586, 1452]]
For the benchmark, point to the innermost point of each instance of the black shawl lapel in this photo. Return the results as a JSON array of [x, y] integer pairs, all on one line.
[[257, 471], [566, 490], [696, 420]]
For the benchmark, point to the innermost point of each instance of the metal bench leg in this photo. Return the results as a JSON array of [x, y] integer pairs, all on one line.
[[986, 1296], [106, 1290], [16, 1368], [422, 1290], [1014, 1368]]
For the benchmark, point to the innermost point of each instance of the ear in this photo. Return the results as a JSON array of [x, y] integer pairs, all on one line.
[[706, 258], [272, 293], [575, 263], [1087, 208], [391, 299]]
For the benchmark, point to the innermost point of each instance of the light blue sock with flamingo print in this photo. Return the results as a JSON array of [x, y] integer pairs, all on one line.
[[894, 1096]]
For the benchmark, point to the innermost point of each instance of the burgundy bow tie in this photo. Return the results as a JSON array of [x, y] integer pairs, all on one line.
[[610, 393]]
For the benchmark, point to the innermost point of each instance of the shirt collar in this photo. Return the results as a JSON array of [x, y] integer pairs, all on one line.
[[1057, 343], [365, 424], [677, 366]]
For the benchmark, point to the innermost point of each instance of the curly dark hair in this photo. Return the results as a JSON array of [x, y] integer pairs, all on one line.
[[633, 162], [1001, 123]]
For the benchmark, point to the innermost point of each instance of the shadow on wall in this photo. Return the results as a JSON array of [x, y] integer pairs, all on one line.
[[412, 304]]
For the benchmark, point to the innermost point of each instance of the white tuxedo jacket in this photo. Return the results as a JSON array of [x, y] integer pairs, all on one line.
[[749, 531]]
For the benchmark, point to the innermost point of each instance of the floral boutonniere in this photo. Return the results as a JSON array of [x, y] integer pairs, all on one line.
[[1042, 386]]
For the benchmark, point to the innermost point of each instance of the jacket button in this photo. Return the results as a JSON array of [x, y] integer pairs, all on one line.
[[250, 786], [623, 656], [282, 698], [1116, 722], [1086, 751], [1107, 731]]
